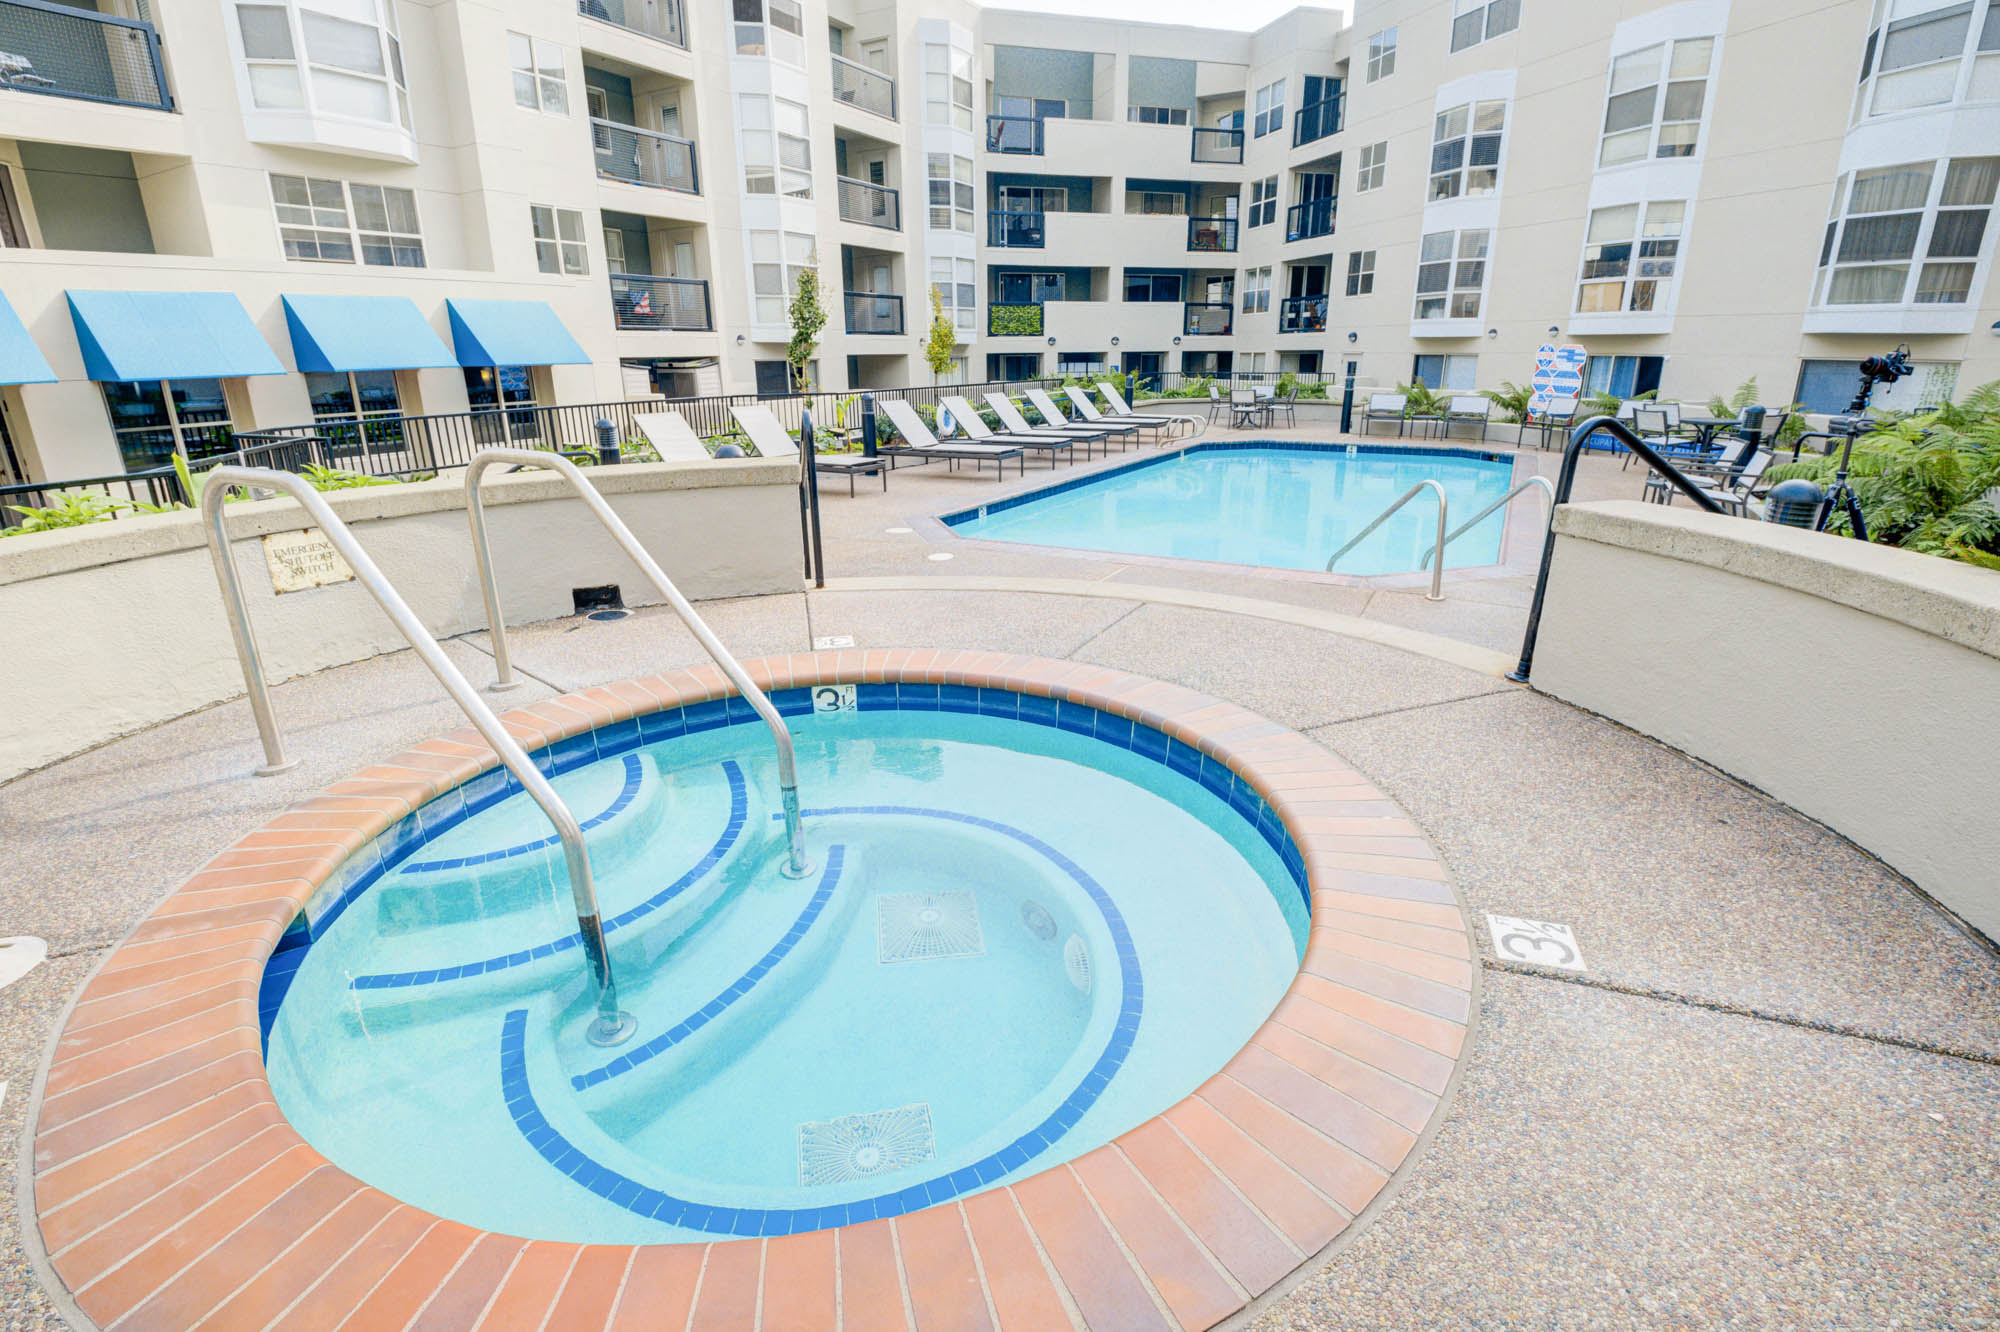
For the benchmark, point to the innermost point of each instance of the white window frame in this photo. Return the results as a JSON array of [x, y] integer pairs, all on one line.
[[1921, 258], [1263, 208], [955, 280], [1970, 74], [766, 35], [298, 81], [1462, 369], [1671, 78], [1381, 55], [949, 192], [1468, 249], [1469, 127], [560, 247], [790, 253], [1642, 259], [948, 86], [1270, 109], [1488, 19], [535, 87], [1361, 272], [406, 248], [1256, 290], [1371, 166]]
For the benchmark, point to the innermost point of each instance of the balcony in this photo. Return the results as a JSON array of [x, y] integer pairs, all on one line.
[[870, 205], [870, 313], [675, 305], [1302, 314], [61, 51], [1316, 120], [1207, 318], [1014, 134], [858, 85], [1211, 235], [642, 157], [1015, 231], [1217, 145], [661, 19], [1306, 220], [1014, 321]]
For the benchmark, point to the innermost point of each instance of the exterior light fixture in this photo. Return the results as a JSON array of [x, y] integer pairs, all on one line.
[[1177, 342], [1353, 338], [1492, 332], [739, 339], [1114, 342], [1052, 342], [1554, 330]]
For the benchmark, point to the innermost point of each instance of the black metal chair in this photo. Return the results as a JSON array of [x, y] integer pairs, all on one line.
[[1546, 422], [1288, 405], [1386, 407]]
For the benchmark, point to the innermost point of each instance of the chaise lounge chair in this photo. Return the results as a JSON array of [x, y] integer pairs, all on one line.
[[919, 442], [1010, 416], [1182, 421], [774, 441], [1087, 411], [1053, 413], [969, 420], [671, 436]]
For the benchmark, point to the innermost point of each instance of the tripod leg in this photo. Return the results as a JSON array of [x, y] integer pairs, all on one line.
[[1855, 522]]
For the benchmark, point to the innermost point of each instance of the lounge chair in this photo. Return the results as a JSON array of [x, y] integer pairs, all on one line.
[[1053, 413], [1732, 492], [974, 425], [1010, 416], [774, 441], [1386, 407], [1471, 408], [1088, 415], [919, 442], [1122, 410], [671, 436], [1123, 415]]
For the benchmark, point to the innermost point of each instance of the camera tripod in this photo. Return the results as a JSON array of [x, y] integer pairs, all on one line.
[[1856, 423]]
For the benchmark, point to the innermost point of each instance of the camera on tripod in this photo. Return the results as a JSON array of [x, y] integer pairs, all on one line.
[[1887, 369]]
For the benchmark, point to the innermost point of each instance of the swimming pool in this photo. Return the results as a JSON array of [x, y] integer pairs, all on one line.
[[1282, 506], [1031, 926]]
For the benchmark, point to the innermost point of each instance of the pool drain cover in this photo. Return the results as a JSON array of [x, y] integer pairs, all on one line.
[[857, 1146], [920, 927]]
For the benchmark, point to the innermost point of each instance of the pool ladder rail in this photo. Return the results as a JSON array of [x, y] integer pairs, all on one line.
[[1548, 494], [1437, 575]]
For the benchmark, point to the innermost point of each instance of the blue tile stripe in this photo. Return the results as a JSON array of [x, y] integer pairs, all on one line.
[[741, 986], [634, 776], [641, 1200], [738, 816]]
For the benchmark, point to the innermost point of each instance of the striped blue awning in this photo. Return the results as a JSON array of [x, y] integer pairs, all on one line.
[[21, 361], [511, 333], [168, 335], [340, 333]]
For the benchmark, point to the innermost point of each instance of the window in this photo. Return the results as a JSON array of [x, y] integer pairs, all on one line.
[[1373, 166], [1263, 201], [777, 146], [1626, 376], [1256, 290], [1477, 20], [1465, 150], [1014, 367], [1458, 374], [1361, 273], [1034, 199], [1141, 285], [1451, 274], [1157, 115], [314, 222], [951, 196], [539, 83], [774, 379], [771, 27], [353, 65], [1647, 115], [559, 239], [1084, 364], [1382, 54], [1893, 215], [1270, 109], [365, 402], [491, 388], [1629, 266], [776, 260], [955, 280], [1915, 61], [1828, 386], [947, 86], [154, 419], [1027, 288], [1156, 203]]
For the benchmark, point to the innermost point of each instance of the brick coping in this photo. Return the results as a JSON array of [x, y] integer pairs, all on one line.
[[169, 1190]]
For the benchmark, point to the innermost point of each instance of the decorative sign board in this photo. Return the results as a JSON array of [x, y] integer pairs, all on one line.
[[1558, 377], [302, 560]]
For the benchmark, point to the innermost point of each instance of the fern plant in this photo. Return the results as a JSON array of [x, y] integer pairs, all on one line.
[[1512, 400], [1420, 399]]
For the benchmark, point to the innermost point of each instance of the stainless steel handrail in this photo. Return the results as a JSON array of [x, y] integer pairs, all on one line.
[[796, 865], [1548, 493], [611, 1026], [1437, 575]]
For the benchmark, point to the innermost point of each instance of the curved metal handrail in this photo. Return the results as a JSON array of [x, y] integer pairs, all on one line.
[[1437, 575], [796, 865], [612, 1025], [1548, 492]]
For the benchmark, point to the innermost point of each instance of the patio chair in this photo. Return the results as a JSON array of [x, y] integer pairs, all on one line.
[[1215, 403], [1547, 422], [1734, 492], [774, 441], [1087, 410], [1245, 408], [1386, 407], [1722, 468], [1052, 412], [1010, 417], [919, 442], [1122, 410], [1288, 405], [976, 429], [671, 436], [1472, 408]]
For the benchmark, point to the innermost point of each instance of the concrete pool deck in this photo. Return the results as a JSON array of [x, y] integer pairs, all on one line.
[[1772, 1099]]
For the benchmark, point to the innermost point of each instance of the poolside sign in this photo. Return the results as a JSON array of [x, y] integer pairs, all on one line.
[[302, 560], [1558, 377]]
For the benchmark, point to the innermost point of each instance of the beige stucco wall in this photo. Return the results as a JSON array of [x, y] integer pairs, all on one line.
[[120, 626], [1857, 683]]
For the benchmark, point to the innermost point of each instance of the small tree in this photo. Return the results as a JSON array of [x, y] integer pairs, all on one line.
[[941, 342], [808, 317]]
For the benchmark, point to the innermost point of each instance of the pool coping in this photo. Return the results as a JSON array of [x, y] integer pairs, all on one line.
[[167, 1187]]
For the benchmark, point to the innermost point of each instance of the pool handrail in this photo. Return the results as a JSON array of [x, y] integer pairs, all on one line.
[[796, 864], [1437, 575], [611, 1026], [1548, 493]]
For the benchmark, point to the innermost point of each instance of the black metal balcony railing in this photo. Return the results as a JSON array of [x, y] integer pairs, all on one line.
[[642, 157], [1316, 120], [870, 313], [1217, 145], [1302, 314], [654, 18], [1014, 319], [64, 51], [870, 205], [1306, 220], [858, 85], [1015, 231], [1207, 318], [1014, 134], [1212, 235], [678, 305]]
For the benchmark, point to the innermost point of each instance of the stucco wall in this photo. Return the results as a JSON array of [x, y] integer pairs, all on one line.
[[1857, 683], [119, 626]]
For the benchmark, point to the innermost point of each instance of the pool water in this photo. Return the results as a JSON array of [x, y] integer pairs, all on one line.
[[1282, 506], [1018, 941]]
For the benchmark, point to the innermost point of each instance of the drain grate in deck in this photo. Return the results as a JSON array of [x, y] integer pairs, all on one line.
[[920, 927], [856, 1146]]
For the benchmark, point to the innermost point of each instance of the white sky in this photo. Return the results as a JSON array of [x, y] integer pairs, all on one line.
[[1246, 15]]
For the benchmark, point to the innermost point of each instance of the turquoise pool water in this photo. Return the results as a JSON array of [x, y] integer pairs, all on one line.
[[1020, 939], [1283, 506]]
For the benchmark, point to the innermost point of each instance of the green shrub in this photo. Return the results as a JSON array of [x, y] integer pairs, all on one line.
[[1014, 320]]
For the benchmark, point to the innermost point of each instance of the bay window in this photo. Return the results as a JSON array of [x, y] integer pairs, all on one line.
[[951, 194], [776, 260], [775, 28], [1474, 21], [1630, 256], [1656, 101], [327, 58], [1451, 274], [947, 86], [1465, 150], [1917, 53], [1909, 234]]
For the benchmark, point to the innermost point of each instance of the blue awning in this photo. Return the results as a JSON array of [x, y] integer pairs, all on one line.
[[21, 361], [362, 333], [511, 333], [168, 335]]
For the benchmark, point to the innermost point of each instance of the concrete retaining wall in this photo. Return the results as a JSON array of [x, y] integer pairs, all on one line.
[[118, 626], [1857, 683]]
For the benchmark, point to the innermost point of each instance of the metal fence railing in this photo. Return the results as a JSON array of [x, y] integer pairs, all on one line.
[[1211, 235], [644, 157], [1314, 218], [654, 18], [868, 312], [1216, 145], [676, 304], [1015, 231], [869, 204], [67, 51], [1316, 120], [858, 85], [1207, 318], [1014, 134]]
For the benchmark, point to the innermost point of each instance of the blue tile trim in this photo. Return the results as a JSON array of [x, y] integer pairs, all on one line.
[[634, 776]]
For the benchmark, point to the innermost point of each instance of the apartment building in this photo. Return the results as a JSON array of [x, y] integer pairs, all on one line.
[[226, 215]]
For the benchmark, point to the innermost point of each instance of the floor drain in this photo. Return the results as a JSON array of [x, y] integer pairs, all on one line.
[[1039, 922], [609, 614], [920, 927], [857, 1146], [1076, 963]]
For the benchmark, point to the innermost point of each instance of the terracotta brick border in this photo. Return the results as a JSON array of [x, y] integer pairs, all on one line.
[[170, 1191]]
